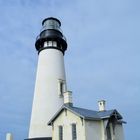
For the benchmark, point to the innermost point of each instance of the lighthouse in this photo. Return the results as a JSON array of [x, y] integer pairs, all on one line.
[[50, 79]]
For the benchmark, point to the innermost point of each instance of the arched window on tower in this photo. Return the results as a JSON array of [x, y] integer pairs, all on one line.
[[61, 87]]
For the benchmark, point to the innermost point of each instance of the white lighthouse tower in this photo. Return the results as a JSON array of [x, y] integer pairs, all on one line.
[[50, 80]]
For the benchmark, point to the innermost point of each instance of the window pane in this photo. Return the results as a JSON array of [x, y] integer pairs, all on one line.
[[54, 44], [74, 134], [61, 88], [49, 43], [60, 133]]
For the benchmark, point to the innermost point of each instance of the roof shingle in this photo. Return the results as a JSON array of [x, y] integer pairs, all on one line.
[[87, 114]]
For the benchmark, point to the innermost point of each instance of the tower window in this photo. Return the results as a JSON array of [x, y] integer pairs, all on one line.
[[49, 43], [54, 44], [61, 87], [60, 129], [74, 133]]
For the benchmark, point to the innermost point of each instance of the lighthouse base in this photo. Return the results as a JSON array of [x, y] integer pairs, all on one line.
[[42, 138]]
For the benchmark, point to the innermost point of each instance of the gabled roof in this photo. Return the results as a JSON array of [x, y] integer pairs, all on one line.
[[87, 114]]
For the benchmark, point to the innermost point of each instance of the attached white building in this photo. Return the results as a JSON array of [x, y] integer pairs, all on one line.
[[74, 123]]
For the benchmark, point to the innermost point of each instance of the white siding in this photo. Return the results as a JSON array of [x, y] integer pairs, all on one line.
[[119, 135], [86, 130], [46, 100], [93, 130], [66, 118]]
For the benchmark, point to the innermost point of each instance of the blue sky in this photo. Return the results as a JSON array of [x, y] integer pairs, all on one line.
[[102, 60]]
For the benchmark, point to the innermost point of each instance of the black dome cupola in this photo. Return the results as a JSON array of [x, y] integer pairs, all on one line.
[[51, 36]]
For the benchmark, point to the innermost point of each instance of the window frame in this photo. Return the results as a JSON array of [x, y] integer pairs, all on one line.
[[60, 132], [61, 87], [74, 131]]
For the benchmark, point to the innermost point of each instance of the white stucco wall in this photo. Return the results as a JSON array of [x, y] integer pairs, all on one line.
[[116, 133], [86, 129], [66, 119], [93, 130], [47, 99], [119, 133]]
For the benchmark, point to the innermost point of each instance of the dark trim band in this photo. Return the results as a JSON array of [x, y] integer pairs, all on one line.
[[50, 48]]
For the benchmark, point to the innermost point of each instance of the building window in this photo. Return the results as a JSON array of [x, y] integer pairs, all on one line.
[[74, 133], [60, 132]]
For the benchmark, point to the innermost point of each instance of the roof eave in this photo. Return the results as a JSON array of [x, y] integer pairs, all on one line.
[[92, 119]]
